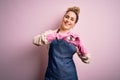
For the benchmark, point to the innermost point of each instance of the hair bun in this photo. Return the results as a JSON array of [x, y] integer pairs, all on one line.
[[75, 9]]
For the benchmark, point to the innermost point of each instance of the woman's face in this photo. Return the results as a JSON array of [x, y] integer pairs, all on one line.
[[68, 20]]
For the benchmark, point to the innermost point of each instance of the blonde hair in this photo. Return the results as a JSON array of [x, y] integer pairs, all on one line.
[[76, 10]]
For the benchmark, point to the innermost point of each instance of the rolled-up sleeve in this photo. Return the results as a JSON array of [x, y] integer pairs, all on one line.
[[82, 51], [41, 39]]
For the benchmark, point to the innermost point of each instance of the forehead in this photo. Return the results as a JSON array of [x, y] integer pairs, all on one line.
[[71, 14]]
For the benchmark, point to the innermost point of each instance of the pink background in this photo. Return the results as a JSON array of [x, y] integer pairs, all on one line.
[[21, 20]]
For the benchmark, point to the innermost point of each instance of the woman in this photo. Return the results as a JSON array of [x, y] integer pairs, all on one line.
[[63, 45]]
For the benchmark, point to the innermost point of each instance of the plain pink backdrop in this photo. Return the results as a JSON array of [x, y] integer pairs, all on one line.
[[21, 20]]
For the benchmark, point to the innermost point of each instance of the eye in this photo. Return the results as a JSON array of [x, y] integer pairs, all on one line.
[[72, 19], [66, 16]]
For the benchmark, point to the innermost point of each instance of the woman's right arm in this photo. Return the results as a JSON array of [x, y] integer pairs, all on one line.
[[41, 39]]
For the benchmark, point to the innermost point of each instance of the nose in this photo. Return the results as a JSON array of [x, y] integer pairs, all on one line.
[[68, 20]]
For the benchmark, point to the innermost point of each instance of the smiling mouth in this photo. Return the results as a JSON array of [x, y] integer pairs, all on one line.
[[66, 23]]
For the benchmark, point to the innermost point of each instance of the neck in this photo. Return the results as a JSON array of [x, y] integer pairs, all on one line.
[[63, 30]]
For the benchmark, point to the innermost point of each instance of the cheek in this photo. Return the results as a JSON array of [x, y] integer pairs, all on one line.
[[64, 19], [73, 23]]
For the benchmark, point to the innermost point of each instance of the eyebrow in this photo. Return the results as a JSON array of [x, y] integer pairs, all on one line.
[[69, 16]]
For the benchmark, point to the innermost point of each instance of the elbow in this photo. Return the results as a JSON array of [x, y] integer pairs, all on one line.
[[85, 59], [35, 41]]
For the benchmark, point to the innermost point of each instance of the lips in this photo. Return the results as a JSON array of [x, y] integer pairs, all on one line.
[[66, 23]]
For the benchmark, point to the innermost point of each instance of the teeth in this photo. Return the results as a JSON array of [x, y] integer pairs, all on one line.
[[67, 24]]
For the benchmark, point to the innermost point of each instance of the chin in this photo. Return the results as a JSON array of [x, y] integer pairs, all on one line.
[[66, 27]]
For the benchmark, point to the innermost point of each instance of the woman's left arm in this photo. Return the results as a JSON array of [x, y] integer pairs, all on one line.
[[85, 59], [82, 52]]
